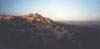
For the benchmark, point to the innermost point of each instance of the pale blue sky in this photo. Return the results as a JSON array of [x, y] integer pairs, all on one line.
[[58, 10]]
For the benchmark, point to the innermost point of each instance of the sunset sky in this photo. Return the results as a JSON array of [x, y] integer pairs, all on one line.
[[58, 10]]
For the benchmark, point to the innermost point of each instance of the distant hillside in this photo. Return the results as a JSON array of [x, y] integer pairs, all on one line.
[[83, 23]]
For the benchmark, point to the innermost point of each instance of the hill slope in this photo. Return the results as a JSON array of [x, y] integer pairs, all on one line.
[[34, 31]]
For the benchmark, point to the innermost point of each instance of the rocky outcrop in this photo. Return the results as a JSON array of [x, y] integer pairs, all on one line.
[[37, 17]]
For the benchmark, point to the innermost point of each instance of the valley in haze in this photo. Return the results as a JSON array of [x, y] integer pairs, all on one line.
[[83, 23]]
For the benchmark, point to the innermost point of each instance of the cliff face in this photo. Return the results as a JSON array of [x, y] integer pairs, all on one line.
[[31, 31]]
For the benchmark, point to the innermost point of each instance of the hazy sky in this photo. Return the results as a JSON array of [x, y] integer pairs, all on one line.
[[65, 10]]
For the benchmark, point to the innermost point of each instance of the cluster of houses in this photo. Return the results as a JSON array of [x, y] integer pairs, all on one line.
[[29, 18]]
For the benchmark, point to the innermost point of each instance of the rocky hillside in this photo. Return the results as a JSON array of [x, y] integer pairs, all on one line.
[[33, 31]]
